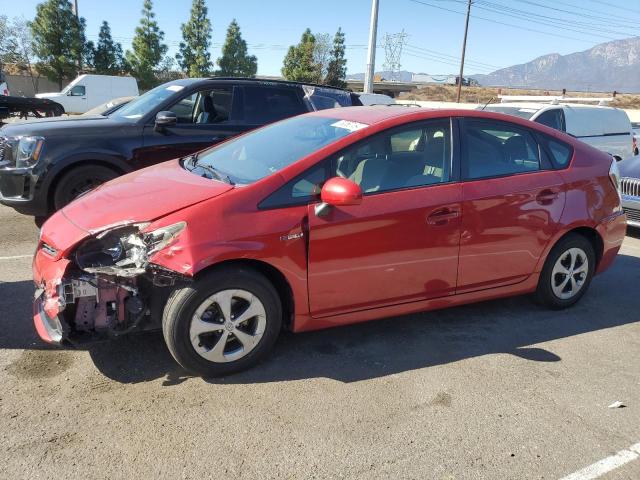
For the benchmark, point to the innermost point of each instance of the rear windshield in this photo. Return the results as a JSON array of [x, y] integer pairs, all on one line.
[[263, 152], [525, 113]]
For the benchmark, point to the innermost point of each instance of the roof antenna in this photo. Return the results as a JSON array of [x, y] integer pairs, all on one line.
[[486, 104]]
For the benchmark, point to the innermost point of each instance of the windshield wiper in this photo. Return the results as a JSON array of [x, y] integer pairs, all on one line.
[[214, 172]]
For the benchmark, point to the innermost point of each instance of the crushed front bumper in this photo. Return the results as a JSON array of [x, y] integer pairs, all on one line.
[[50, 329]]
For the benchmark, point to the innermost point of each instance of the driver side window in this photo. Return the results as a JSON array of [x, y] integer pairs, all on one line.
[[412, 156], [205, 106], [78, 91]]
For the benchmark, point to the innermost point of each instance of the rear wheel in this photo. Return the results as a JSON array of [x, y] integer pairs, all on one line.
[[223, 323], [80, 180], [567, 272]]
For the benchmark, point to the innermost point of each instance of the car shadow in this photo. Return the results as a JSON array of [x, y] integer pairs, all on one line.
[[374, 349]]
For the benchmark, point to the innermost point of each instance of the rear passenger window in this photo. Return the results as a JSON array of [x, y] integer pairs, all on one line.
[[495, 149], [264, 105]]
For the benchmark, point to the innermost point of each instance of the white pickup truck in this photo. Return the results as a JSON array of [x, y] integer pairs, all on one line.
[[88, 91]]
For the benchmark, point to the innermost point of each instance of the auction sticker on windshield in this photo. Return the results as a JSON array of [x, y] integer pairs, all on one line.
[[351, 126]]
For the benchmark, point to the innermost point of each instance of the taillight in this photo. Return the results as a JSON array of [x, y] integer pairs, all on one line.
[[614, 175]]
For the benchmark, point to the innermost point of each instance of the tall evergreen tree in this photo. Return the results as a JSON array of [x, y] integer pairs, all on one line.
[[106, 56], [299, 63], [337, 70], [148, 49], [194, 57], [234, 61], [58, 40]]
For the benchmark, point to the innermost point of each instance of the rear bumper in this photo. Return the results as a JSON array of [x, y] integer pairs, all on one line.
[[612, 231]]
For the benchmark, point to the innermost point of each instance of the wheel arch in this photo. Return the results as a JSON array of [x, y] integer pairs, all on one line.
[[273, 274], [590, 234]]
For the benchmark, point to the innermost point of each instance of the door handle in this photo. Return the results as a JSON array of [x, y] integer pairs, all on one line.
[[442, 216], [546, 197], [219, 138]]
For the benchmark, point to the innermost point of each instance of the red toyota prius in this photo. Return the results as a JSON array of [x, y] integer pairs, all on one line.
[[326, 219]]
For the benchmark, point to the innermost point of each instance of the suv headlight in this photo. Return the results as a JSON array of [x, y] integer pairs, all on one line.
[[28, 151], [21, 151], [125, 251]]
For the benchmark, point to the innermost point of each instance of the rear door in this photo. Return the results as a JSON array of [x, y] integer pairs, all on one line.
[[205, 117], [261, 104], [512, 203]]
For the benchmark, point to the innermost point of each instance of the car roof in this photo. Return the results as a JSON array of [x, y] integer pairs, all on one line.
[[263, 81], [398, 114], [540, 106]]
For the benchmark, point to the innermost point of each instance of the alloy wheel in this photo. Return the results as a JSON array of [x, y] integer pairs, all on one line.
[[227, 325], [569, 273]]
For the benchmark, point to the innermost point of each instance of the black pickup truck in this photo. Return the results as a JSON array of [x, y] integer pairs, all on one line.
[[46, 163]]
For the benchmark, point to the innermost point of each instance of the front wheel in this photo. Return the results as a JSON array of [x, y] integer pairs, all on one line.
[[567, 272], [223, 323], [80, 180]]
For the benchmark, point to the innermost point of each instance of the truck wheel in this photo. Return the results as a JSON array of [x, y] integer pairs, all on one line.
[[57, 111], [222, 323], [79, 181]]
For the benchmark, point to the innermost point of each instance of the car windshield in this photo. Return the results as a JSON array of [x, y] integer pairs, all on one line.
[[256, 155], [521, 112], [142, 105]]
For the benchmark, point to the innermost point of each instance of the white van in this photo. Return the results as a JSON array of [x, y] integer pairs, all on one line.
[[88, 91], [606, 128]]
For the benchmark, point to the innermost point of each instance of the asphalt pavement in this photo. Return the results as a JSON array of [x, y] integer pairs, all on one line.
[[498, 390]]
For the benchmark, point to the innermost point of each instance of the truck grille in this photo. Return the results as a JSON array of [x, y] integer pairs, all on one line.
[[630, 186], [633, 215]]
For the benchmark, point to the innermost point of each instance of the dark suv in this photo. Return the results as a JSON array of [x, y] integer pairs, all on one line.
[[46, 163]]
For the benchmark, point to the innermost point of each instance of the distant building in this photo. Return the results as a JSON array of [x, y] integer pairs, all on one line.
[[441, 79]]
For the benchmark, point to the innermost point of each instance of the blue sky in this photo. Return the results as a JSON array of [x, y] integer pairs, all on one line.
[[434, 28]]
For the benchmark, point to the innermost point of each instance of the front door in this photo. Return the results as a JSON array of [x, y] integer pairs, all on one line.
[[205, 117], [512, 203], [401, 243]]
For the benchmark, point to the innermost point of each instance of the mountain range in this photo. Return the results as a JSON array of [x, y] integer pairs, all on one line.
[[606, 67]]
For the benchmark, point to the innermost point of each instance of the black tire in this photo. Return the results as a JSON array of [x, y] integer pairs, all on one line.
[[545, 294], [184, 302], [80, 180]]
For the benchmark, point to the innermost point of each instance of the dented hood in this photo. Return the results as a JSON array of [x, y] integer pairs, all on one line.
[[141, 196]]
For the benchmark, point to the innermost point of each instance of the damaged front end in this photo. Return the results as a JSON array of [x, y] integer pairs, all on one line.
[[106, 287]]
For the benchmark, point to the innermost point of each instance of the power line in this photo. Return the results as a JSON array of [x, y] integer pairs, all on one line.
[[615, 6], [428, 52], [565, 24], [520, 27]]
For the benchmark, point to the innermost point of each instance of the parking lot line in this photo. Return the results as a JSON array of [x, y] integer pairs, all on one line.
[[14, 257], [596, 470]]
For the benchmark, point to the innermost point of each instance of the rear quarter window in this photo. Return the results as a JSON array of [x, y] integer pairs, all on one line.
[[560, 153]]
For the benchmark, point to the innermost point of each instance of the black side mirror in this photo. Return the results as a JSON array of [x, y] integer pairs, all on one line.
[[165, 119]]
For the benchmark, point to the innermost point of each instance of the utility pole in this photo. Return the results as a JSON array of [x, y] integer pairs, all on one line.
[[464, 48], [75, 11], [371, 54]]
